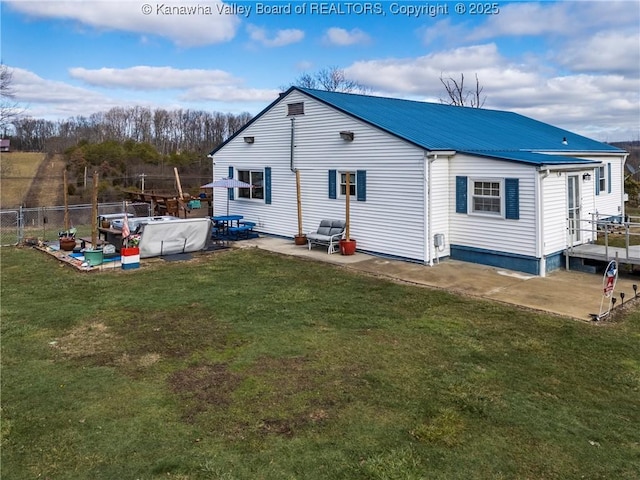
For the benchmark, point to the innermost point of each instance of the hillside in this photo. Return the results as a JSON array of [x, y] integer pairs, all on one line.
[[46, 188]]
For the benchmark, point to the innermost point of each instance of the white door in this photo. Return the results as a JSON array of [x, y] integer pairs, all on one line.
[[573, 202]]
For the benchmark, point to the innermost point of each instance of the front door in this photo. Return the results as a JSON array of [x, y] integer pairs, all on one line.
[[573, 202]]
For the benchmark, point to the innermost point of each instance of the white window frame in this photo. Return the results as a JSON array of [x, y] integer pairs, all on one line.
[[501, 197], [342, 186], [603, 179], [253, 190]]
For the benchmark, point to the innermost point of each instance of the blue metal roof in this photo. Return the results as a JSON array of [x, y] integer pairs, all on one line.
[[479, 131]]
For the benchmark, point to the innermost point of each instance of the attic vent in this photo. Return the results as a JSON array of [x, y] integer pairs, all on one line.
[[295, 108]]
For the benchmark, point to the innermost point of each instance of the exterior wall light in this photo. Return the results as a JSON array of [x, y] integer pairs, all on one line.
[[249, 139], [586, 177], [347, 136]]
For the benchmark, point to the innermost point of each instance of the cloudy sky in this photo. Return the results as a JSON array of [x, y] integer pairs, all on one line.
[[575, 64]]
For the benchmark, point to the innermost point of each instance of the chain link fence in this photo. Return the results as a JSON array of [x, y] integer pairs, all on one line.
[[44, 223]]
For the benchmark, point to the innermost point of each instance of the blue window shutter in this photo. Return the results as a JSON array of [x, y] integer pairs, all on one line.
[[230, 190], [461, 194], [267, 185], [512, 198], [361, 185], [609, 182], [332, 184], [598, 181]]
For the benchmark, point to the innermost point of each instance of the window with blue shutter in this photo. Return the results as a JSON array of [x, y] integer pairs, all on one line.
[[361, 185], [461, 194], [230, 190], [598, 174], [267, 185], [609, 177], [332, 183], [512, 198]]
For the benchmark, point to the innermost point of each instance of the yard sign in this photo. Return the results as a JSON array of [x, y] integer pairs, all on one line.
[[608, 285]]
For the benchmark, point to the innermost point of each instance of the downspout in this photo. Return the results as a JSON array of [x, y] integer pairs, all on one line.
[[429, 213], [213, 179], [293, 146], [427, 247], [540, 209]]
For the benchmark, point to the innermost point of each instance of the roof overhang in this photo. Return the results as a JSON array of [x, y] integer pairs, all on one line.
[[569, 167]]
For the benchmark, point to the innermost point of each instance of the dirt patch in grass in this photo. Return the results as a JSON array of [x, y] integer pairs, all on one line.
[[278, 396], [172, 333], [91, 340], [139, 340], [204, 386]]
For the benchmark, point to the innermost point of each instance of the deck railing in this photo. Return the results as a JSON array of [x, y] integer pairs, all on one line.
[[610, 231]]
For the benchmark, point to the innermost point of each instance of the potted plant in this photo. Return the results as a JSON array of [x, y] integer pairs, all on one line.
[[67, 239], [347, 244]]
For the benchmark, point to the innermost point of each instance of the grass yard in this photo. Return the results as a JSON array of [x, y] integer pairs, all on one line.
[[248, 365], [17, 173]]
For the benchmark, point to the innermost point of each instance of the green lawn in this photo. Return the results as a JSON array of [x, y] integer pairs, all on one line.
[[249, 365]]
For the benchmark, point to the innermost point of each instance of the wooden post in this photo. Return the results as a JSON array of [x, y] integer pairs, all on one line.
[[347, 195], [94, 213], [298, 196], [66, 201], [175, 170]]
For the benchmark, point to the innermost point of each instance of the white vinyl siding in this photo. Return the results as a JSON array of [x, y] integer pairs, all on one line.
[[554, 192], [395, 186], [610, 203], [440, 205], [493, 232]]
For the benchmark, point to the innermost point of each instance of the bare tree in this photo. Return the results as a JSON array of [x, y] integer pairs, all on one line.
[[460, 95], [9, 108], [332, 79]]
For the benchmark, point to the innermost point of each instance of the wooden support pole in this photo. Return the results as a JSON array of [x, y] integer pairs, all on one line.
[[94, 213], [175, 171], [67, 226], [347, 202], [298, 196]]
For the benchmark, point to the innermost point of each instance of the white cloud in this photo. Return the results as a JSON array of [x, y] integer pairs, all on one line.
[[229, 93], [558, 19], [151, 78], [421, 75], [206, 25], [47, 98], [280, 39], [609, 51], [43, 98], [343, 38], [595, 105]]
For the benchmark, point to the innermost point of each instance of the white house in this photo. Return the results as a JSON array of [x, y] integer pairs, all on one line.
[[486, 186]]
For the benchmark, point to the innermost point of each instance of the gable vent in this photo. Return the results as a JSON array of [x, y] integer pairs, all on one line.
[[295, 108]]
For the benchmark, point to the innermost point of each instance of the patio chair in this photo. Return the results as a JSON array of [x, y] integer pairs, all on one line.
[[328, 234]]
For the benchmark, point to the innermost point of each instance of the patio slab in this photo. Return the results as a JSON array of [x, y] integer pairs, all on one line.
[[566, 293]]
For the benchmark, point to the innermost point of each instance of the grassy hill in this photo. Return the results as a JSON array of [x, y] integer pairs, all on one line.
[[18, 169], [31, 179]]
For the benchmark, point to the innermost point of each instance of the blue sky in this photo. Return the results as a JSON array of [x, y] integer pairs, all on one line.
[[574, 64]]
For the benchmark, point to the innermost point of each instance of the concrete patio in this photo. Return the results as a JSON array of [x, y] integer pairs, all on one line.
[[566, 293]]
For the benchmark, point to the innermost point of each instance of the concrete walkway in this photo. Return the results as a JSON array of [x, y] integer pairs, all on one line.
[[566, 293]]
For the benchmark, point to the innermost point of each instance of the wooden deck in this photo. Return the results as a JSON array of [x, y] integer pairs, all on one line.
[[630, 256]]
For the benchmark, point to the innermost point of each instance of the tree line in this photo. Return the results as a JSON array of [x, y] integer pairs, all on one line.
[[168, 131]]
